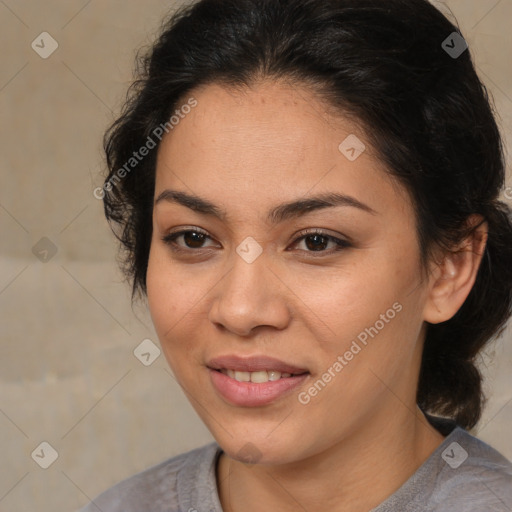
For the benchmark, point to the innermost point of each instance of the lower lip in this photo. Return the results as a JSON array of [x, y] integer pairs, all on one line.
[[252, 394]]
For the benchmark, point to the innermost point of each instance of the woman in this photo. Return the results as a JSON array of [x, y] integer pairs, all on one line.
[[307, 193]]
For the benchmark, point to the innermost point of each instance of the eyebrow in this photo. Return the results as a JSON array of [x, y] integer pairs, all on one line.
[[277, 214]]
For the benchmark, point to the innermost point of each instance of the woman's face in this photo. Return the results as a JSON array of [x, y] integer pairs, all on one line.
[[341, 311]]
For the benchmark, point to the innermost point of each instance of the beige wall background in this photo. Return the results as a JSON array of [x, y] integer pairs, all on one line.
[[68, 374]]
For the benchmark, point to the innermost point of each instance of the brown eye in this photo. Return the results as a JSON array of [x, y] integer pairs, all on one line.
[[192, 238], [317, 241]]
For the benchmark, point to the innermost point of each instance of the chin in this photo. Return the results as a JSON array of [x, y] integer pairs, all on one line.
[[257, 447]]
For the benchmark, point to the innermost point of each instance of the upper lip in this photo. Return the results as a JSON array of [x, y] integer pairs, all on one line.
[[253, 364]]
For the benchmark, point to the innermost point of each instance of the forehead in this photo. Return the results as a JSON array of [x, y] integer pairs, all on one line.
[[276, 115], [268, 141]]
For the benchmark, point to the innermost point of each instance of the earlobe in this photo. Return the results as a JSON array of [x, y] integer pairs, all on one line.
[[453, 278]]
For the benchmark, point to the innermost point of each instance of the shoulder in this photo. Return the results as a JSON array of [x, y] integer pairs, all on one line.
[[157, 488], [463, 474], [472, 476]]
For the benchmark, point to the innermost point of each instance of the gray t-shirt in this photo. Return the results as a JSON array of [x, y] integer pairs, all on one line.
[[464, 474]]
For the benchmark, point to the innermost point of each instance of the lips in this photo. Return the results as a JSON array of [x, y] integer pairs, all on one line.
[[254, 381], [254, 364]]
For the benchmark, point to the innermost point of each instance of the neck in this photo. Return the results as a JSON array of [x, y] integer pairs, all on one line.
[[358, 473]]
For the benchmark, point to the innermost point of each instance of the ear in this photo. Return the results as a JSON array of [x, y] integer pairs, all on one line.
[[451, 279]]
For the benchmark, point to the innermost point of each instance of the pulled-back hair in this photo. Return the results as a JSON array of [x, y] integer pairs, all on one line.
[[426, 113]]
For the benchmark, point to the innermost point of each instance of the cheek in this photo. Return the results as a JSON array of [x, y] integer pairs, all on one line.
[[357, 297], [165, 294], [369, 312], [174, 300]]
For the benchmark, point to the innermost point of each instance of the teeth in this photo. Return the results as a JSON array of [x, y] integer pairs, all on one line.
[[274, 375], [257, 377], [242, 376]]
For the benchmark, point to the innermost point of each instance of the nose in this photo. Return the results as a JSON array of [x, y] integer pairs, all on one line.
[[249, 296]]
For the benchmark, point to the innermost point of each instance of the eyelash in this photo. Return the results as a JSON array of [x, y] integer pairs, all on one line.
[[170, 240]]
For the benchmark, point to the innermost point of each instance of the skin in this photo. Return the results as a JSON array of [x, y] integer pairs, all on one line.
[[362, 436]]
